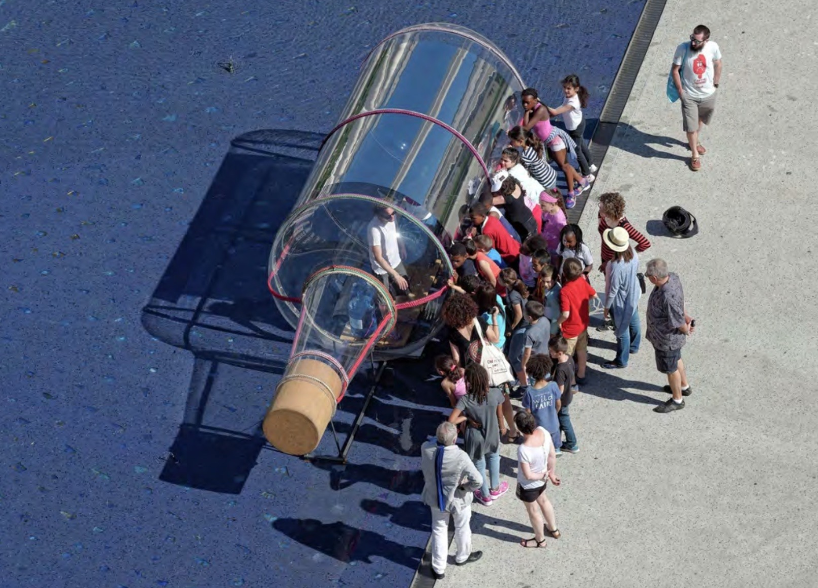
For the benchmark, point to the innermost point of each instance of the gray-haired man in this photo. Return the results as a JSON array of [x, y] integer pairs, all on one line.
[[450, 479], [668, 328]]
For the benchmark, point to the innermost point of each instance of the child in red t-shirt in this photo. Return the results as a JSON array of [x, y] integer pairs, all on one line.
[[575, 313]]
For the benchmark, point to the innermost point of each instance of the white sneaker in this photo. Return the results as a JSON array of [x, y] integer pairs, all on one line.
[[593, 169], [590, 178]]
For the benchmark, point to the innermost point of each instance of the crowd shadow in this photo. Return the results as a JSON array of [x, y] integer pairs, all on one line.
[[644, 144], [508, 465], [605, 384], [600, 343], [346, 543], [412, 514], [343, 476]]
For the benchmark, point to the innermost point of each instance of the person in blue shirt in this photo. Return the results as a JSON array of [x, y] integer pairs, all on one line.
[[542, 399]]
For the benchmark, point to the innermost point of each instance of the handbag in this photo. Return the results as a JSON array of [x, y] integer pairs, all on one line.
[[672, 92], [641, 277], [493, 360]]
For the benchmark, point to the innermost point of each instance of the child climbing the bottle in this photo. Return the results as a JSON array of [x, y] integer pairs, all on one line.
[[576, 98], [537, 119]]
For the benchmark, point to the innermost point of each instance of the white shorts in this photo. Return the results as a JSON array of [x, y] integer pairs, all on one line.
[[557, 144]]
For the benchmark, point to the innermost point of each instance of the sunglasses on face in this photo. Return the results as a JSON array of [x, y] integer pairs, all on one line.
[[696, 41], [387, 215]]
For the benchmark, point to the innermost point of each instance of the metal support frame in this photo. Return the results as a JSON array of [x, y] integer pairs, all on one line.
[[343, 450]]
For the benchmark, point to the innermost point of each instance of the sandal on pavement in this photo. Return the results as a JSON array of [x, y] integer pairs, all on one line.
[[700, 148], [695, 163], [527, 542], [554, 534]]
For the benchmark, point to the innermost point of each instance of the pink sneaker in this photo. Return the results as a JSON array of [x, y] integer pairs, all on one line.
[[484, 500], [495, 494]]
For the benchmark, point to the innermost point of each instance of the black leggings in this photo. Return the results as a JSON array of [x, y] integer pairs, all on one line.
[[525, 229], [583, 155]]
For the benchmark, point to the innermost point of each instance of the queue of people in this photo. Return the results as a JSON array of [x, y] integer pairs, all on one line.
[[523, 286]]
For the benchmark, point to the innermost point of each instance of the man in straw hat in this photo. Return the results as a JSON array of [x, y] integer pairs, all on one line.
[[668, 328], [622, 293]]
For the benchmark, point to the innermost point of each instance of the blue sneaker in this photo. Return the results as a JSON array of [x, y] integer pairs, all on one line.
[[566, 449]]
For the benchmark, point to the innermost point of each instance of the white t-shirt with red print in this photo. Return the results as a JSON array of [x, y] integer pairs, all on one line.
[[697, 71]]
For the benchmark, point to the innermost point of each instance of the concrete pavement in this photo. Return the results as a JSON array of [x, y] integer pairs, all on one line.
[[721, 493]]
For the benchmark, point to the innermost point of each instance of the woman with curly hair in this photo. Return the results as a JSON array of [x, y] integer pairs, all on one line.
[[461, 315], [612, 215], [480, 409]]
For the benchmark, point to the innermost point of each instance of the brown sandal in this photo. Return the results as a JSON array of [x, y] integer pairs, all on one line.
[[526, 542], [555, 534]]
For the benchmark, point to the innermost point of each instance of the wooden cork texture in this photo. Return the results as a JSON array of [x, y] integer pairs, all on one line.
[[302, 407]]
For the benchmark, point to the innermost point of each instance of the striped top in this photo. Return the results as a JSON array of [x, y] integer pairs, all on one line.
[[539, 169], [642, 242]]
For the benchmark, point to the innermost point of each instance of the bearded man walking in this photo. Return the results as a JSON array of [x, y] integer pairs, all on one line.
[[696, 72]]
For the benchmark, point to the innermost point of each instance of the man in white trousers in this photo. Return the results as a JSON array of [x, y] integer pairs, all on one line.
[[450, 480]]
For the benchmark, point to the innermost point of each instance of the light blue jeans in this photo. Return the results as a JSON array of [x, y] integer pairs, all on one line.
[[629, 342], [494, 471]]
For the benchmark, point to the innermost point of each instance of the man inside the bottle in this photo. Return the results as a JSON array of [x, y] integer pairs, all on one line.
[[386, 250]]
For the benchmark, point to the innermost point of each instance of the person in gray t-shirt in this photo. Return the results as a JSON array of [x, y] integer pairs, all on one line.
[[481, 410], [537, 333], [669, 325]]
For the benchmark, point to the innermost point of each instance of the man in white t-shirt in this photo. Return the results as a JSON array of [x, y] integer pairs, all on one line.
[[696, 72], [384, 250]]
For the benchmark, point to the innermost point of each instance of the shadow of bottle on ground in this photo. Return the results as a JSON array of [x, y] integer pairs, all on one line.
[[213, 301]]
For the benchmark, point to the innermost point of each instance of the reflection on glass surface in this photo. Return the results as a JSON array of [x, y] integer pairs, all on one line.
[[462, 95]]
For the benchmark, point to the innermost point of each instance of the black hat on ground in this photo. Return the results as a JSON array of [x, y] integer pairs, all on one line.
[[680, 222]]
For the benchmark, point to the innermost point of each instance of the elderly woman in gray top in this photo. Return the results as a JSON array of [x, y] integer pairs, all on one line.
[[450, 478], [622, 293]]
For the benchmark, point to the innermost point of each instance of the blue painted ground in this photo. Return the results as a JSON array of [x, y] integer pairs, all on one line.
[[130, 452]]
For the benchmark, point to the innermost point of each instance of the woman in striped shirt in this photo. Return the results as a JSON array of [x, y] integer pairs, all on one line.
[[533, 153], [612, 214]]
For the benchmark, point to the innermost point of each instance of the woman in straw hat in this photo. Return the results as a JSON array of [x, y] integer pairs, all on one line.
[[622, 292]]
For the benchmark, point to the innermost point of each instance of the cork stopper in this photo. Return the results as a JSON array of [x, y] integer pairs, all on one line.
[[303, 406]]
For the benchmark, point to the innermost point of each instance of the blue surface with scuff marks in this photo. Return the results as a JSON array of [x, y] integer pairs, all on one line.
[[131, 454]]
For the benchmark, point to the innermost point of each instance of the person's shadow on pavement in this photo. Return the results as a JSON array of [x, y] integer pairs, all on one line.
[[346, 543], [412, 514], [606, 384], [639, 143]]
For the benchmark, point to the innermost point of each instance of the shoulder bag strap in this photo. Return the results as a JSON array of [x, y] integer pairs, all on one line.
[[479, 331]]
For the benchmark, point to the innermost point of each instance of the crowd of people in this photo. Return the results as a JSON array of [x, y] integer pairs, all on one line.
[[523, 286]]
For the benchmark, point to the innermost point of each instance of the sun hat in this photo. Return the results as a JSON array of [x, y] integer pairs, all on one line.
[[498, 179], [617, 239], [546, 197]]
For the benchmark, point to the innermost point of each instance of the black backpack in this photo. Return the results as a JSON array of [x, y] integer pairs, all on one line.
[[680, 222]]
